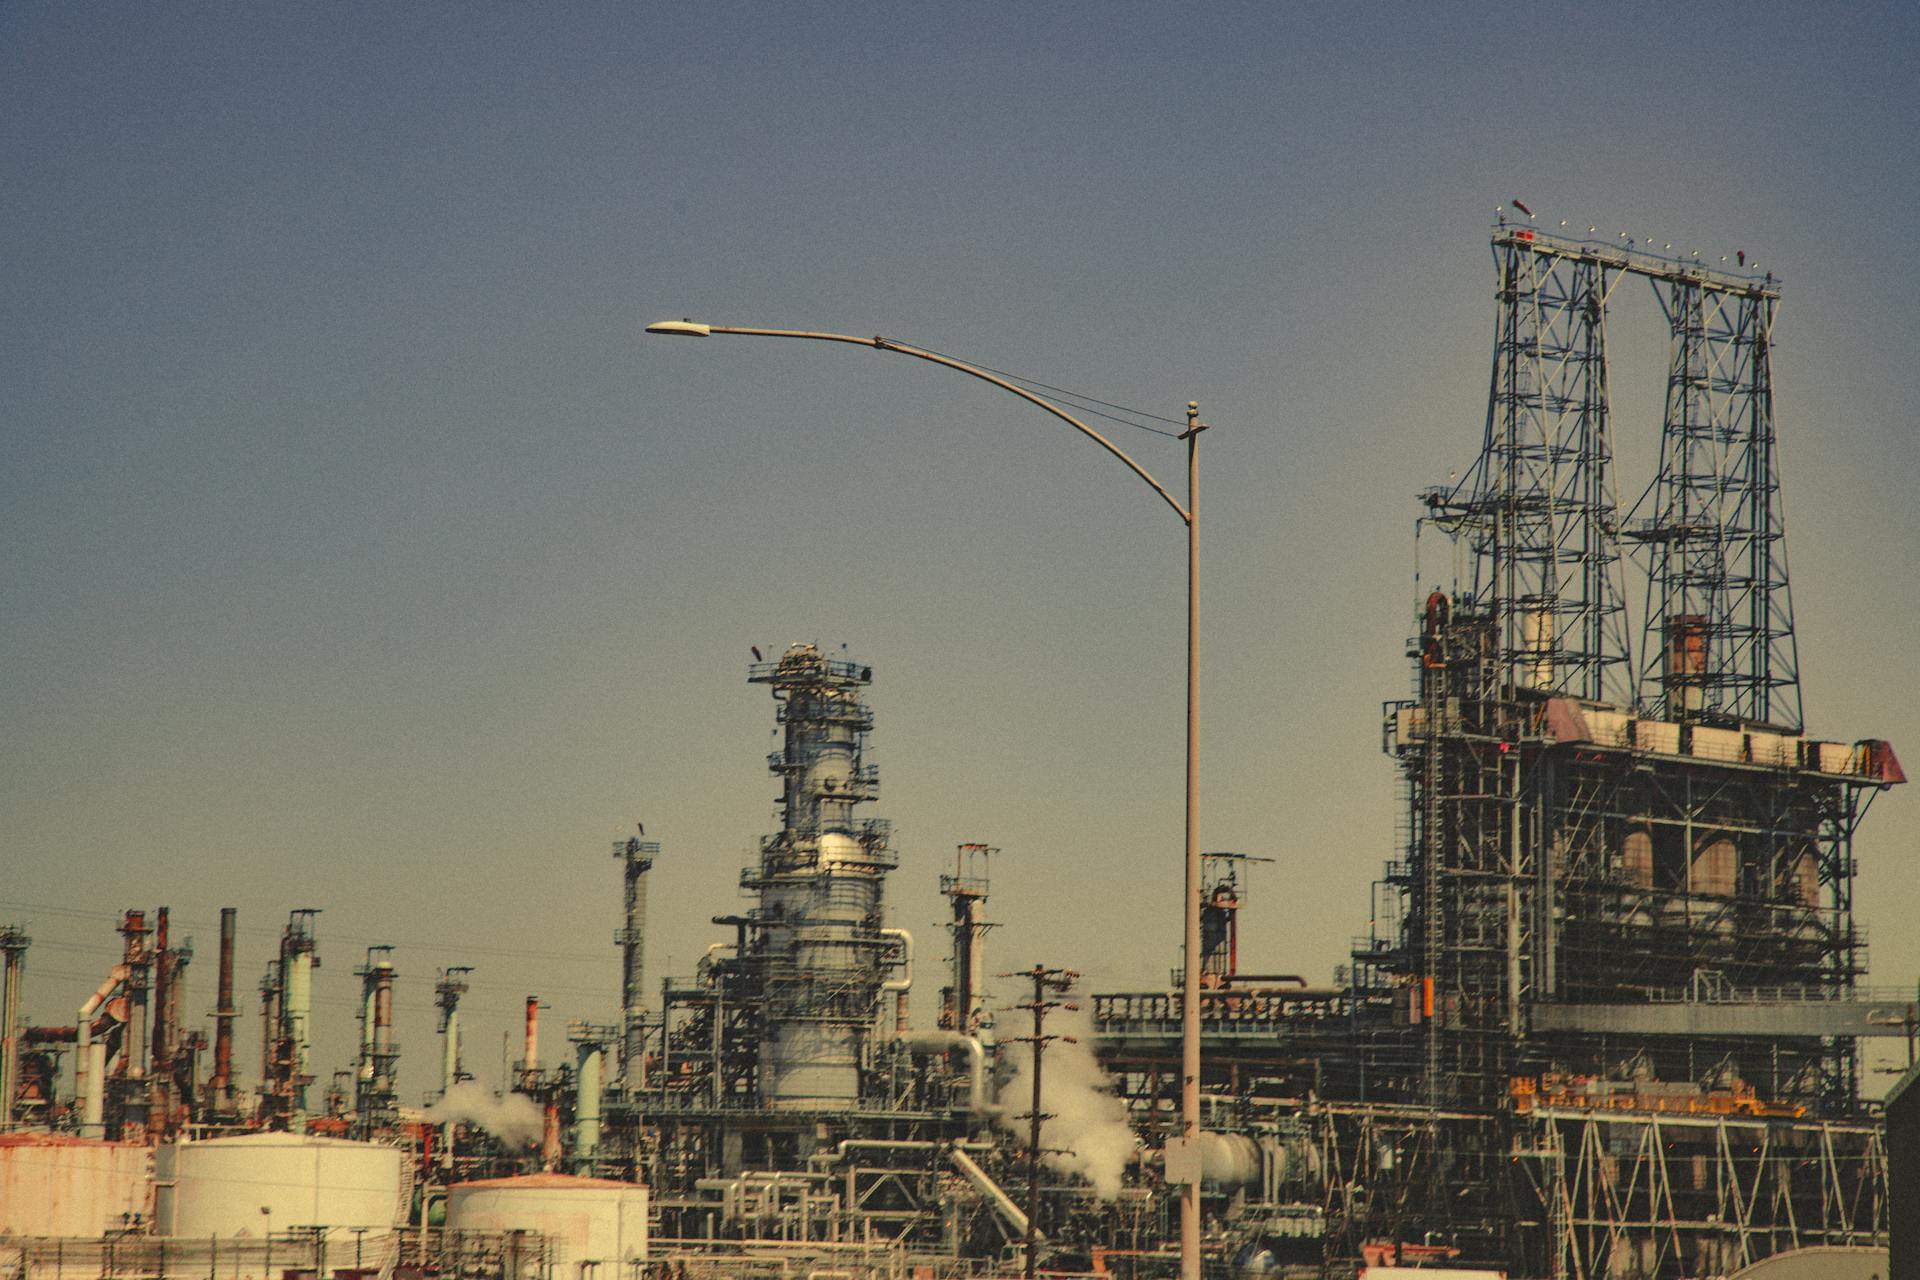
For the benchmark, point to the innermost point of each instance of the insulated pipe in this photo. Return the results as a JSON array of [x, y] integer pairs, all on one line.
[[221, 1086], [901, 985], [942, 1042], [93, 1107], [90, 1059], [991, 1190]]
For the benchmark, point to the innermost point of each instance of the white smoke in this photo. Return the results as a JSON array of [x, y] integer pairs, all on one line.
[[1087, 1131], [515, 1119]]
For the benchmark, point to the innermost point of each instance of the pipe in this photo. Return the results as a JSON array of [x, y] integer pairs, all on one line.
[[93, 1108], [901, 985], [943, 1041], [221, 1086], [991, 1190], [90, 1059]]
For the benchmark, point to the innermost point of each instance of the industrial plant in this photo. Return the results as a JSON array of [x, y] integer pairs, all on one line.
[[1606, 1018]]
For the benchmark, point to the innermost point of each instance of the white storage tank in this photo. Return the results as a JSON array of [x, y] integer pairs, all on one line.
[[58, 1186], [276, 1181], [586, 1219]]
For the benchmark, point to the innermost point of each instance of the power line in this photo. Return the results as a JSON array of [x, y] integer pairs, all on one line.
[[414, 944], [1080, 400]]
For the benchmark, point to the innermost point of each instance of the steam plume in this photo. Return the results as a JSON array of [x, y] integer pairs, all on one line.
[[1088, 1133], [514, 1119]]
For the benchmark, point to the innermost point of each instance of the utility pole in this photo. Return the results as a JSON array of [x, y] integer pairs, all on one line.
[[1046, 982]]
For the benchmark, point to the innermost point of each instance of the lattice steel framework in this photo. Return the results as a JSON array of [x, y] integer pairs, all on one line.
[[1538, 508], [1719, 634]]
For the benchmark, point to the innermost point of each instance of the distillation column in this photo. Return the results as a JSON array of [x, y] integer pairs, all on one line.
[[375, 1100], [164, 1095], [966, 893], [446, 994], [299, 957], [220, 1099], [638, 856], [821, 950]]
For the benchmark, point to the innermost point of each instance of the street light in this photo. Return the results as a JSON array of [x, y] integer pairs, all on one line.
[[1189, 515]]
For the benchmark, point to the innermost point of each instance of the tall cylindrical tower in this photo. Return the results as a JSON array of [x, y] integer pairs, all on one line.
[[821, 954], [446, 994], [966, 891], [298, 958], [220, 1088], [638, 855], [374, 1096], [13, 956]]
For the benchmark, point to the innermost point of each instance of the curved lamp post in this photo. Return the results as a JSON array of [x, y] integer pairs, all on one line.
[[1189, 515]]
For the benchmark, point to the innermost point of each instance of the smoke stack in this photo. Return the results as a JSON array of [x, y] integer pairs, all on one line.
[[160, 1084], [383, 1012], [530, 1060], [220, 1088], [139, 961]]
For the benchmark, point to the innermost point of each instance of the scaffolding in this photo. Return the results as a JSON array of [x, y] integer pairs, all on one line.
[[1605, 1018]]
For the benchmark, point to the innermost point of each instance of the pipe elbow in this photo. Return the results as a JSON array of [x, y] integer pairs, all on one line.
[[905, 981]]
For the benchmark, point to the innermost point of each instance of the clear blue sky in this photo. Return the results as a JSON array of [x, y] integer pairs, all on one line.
[[361, 554]]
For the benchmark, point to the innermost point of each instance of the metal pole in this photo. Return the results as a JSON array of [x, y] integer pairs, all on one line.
[[1034, 1117], [1190, 997], [1190, 516]]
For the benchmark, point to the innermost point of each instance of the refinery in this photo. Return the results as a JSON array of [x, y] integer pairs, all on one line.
[[1607, 1017]]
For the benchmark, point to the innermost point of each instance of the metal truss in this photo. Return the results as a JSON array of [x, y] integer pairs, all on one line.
[[1538, 508], [1629, 1196], [1719, 634]]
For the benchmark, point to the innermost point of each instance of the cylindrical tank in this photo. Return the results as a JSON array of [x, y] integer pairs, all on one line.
[[58, 1186], [1228, 1159], [586, 1219], [275, 1181]]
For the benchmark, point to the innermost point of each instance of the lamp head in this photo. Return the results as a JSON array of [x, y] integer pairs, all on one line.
[[683, 328]]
